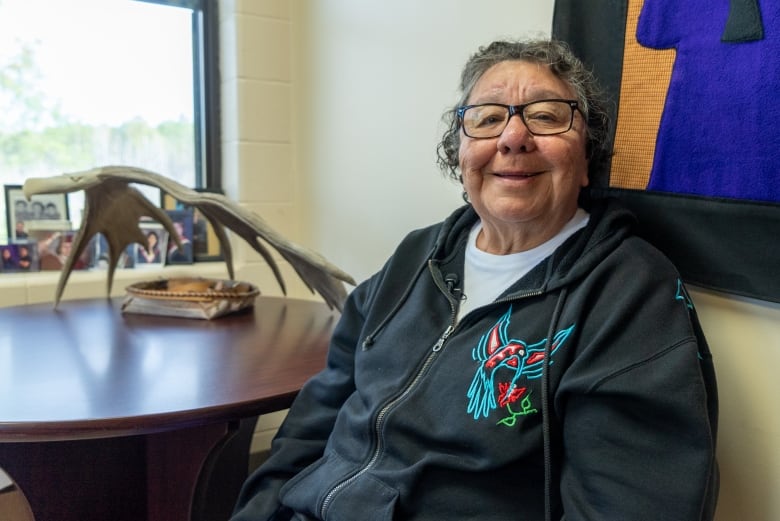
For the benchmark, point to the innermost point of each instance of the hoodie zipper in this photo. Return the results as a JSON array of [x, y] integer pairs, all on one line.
[[380, 419], [443, 338], [518, 296]]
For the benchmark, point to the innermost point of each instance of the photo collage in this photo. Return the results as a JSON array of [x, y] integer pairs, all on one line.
[[40, 238]]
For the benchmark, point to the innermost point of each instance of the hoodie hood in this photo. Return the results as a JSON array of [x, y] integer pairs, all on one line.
[[610, 223]]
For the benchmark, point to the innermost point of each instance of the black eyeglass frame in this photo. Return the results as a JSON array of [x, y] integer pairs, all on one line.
[[518, 110]]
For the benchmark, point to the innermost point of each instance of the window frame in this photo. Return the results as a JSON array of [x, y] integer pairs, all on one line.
[[206, 89]]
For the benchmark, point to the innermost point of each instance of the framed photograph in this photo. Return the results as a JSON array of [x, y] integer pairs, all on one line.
[[22, 215], [99, 254], [205, 244], [21, 257], [9, 258], [54, 247], [182, 222], [153, 255]]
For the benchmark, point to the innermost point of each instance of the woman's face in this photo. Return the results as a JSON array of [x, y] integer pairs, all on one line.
[[518, 181]]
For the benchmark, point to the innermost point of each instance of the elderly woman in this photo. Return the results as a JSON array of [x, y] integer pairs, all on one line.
[[527, 358]]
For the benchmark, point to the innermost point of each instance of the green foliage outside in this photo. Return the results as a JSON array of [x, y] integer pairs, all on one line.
[[37, 139]]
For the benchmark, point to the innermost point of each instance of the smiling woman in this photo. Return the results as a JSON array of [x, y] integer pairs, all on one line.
[[494, 366], [106, 82]]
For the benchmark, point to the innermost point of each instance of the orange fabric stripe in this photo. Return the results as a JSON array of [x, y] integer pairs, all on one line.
[[644, 83]]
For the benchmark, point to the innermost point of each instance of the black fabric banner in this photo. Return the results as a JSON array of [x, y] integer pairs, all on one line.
[[697, 136]]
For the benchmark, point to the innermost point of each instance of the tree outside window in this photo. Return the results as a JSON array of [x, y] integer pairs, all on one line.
[[86, 83]]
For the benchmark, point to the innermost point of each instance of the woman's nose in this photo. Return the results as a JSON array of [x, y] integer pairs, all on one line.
[[516, 136]]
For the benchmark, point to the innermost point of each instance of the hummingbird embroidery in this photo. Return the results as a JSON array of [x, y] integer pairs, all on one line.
[[523, 361]]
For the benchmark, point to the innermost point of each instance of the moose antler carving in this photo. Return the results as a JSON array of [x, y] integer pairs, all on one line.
[[113, 208]]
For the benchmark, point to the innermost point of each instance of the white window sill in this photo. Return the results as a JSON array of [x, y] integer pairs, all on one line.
[[33, 288]]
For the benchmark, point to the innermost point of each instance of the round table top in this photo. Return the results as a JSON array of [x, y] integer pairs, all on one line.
[[85, 370]]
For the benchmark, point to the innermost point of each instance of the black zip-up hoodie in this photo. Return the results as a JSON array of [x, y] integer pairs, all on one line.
[[585, 392]]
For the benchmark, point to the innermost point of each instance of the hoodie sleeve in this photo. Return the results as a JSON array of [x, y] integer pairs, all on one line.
[[304, 433], [636, 447], [639, 417]]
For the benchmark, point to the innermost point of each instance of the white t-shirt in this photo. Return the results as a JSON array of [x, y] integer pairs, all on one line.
[[486, 276]]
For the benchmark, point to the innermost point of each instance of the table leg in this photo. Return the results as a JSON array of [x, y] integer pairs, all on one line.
[[198, 471], [175, 460], [78, 480], [188, 474], [223, 474]]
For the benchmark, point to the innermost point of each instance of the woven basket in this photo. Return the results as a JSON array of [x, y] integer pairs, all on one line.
[[189, 297]]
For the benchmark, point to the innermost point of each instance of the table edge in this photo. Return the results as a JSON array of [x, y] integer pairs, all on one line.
[[72, 430]]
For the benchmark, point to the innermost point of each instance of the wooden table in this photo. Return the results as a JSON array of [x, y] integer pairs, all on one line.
[[105, 416]]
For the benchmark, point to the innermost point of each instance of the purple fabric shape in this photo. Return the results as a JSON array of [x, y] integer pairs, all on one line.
[[719, 134]]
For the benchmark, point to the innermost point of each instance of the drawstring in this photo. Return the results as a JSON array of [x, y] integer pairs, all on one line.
[[546, 412], [369, 340], [444, 233]]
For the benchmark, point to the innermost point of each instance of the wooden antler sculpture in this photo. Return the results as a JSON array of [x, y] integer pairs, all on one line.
[[113, 208]]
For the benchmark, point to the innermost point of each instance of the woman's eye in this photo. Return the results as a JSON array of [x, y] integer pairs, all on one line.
[[542, 117], [489, 120]]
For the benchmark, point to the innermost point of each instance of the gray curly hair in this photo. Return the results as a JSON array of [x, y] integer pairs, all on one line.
[[563, 63]]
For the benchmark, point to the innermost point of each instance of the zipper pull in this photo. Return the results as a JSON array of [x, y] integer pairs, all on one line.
[[440, 342]]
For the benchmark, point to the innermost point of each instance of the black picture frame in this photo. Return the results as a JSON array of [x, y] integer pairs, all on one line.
[[51, 208], [205, 244]]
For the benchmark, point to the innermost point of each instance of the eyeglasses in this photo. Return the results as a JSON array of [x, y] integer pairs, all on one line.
[[545, 117]]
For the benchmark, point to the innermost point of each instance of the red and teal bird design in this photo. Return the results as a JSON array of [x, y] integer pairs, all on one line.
[[504, 366]]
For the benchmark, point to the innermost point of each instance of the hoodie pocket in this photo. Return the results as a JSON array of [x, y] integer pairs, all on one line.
[[367, 497], [364, 495]]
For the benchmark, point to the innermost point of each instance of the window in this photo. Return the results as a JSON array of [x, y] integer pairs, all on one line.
[[87, 83]]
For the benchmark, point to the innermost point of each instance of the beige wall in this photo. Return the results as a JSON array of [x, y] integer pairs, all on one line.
[[374, 80], [744, 337]]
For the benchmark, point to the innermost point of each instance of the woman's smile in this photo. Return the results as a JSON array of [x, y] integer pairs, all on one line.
[[516, 175]]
